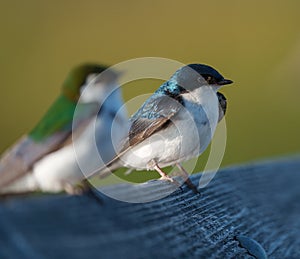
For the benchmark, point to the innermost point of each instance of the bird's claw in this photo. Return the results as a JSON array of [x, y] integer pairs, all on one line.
[[171, 180], [76, 189], [166, 178]]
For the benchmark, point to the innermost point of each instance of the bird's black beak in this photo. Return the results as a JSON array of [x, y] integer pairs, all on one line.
[[225, 82]]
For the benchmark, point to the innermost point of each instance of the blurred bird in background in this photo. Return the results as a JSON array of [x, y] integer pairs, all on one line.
[[44, 159], [175, 124]]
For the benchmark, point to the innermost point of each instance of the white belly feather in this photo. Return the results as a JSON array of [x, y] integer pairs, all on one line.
[[188, 136]]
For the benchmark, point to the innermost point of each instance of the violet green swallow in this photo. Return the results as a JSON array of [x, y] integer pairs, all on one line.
[[175, 124], [45, 159]]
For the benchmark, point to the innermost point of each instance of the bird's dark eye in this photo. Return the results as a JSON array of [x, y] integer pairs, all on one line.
[[209, 79]]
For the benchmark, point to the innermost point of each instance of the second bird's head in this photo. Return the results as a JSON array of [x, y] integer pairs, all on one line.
[[90, 82]]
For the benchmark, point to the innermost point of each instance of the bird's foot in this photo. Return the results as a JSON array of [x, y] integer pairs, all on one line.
[[83, 188], [78, 189], [171, 180], [184, 174], [165, 177], [191, 186]]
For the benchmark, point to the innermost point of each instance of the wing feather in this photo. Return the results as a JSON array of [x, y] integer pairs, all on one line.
[[44, 139], [19, 159], [155, 114]]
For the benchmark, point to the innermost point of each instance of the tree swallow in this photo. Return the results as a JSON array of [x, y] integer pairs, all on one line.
[[45, 159], [175, 124]]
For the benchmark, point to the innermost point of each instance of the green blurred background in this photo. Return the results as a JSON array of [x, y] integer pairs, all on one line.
[[254, 43]]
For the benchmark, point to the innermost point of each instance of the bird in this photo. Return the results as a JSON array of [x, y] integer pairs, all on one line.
[[44, 159], [176, 123]]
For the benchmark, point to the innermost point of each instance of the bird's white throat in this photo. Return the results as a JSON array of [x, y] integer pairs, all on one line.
[[205, 97]]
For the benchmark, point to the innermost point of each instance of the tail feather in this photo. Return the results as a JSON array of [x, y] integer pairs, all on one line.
[[25, 184], [19, 159], [12, 164], [108, 169], [113, 164]]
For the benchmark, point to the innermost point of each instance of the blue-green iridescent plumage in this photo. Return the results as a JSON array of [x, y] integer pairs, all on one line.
[[153, 108]]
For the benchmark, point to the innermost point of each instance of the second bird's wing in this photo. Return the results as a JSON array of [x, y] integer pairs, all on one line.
[[52, 132]]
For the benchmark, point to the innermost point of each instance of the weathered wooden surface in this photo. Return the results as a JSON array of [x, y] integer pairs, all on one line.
[[257, 201]]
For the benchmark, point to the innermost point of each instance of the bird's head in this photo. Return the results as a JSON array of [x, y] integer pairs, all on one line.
[[194, 76], [95, 79]]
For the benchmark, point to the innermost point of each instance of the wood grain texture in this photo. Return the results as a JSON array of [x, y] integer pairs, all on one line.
[[259, 201]]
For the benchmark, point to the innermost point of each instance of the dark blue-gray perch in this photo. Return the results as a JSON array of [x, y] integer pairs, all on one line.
[[244, 210]]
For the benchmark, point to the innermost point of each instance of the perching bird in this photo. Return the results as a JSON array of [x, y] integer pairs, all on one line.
[[175, 124], [44, 159]]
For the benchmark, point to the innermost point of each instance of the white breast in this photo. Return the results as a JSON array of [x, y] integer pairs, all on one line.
[[204, 108], [67, 166]]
